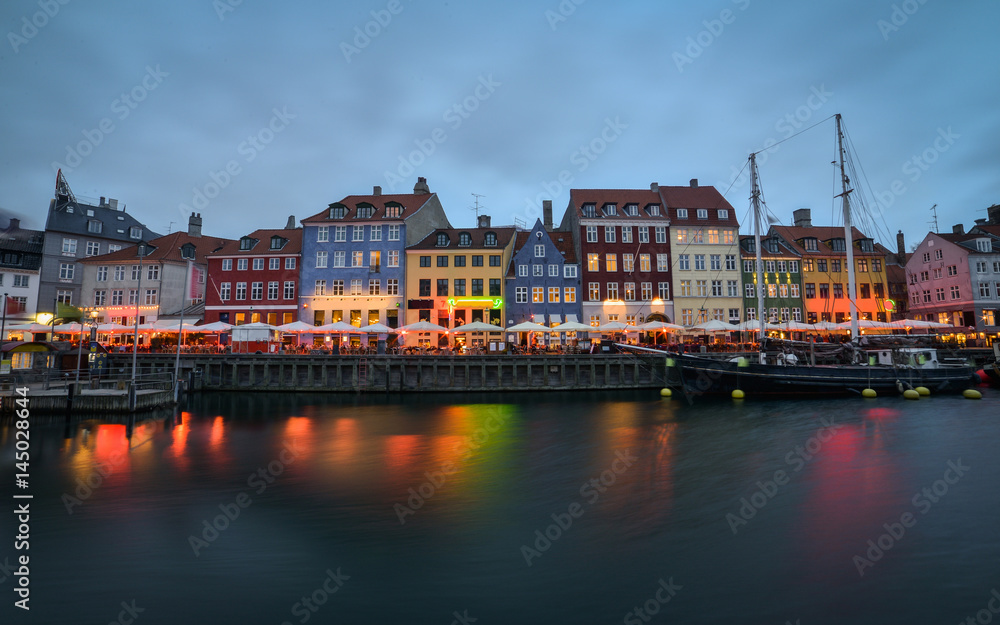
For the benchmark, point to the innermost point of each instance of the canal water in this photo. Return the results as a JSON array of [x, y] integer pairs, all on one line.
[[533, 508]]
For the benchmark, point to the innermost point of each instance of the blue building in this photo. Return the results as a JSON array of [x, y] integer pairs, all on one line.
[[543, 278], [354, 258]]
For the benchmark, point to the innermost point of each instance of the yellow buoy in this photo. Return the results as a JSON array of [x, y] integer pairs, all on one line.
[[911, 394], [666, 392], [738, 394], [923, 390], [971, 393], [869, 392]]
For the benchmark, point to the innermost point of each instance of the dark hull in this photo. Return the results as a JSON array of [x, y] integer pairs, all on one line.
[[704, 375], [990, 374]]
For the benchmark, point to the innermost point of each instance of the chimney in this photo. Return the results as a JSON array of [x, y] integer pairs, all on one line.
[[290, 224], [900, 246], [377, 190], [102, 202], [802, 218], [981, 221], [421, 187], [654, 187], [483, 221], [694, 183], [993, 213], [113, 204], [958, 229], [547, 214], [194, 225], [15, 224]]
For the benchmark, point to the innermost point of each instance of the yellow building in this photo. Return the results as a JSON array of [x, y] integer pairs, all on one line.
[[825, 273], [456, 276]]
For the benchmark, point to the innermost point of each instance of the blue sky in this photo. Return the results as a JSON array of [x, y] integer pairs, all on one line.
[[277, 110]]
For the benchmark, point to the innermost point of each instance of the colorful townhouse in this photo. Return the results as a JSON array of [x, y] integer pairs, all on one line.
[[823, 253], [20, 265], [704, 254], [456, 276], [782, 280], [621, 240], [354, 255], [543, 278], [954, 278], [256, 279]]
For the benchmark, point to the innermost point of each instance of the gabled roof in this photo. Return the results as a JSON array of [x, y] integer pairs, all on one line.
[[263, 246], [168, 248], [72, 217], [988, 229], [411, 203], [642, 198], [792, 235], [693, 198], [746, 247], [968, 241], [562, 241], [478, 236]]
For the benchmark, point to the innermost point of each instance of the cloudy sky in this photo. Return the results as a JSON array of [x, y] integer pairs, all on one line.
[[250, 111]]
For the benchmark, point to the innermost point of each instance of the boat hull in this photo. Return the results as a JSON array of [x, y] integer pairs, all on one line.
[[705, 375]]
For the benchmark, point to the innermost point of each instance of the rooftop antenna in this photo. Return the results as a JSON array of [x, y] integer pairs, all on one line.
[[934, 221], [477, 207], [170, 227]]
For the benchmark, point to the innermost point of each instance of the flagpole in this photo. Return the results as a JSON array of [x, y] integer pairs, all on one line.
[[3, 322], [55, 311], [180, 336], [141, 248]]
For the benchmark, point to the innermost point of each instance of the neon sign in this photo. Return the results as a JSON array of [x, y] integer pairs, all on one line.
[[495, 302]]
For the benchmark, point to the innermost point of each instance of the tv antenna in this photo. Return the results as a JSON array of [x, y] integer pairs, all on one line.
[[934, 222], [477, 207]]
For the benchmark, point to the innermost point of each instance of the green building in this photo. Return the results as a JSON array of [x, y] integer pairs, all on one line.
[[782, 280]]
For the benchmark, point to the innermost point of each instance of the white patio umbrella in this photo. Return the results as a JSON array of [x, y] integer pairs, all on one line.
[[616, 326], [298, 327], [114, 328], [29, 327], [478, 326], [795, 326], [172, 326], [528, 326], [258, 326], [69, 328], [826, 326], [377, 328], [867, 324], [572, 326], [715, 326], [654, 326], [338, 327], [215, 327]]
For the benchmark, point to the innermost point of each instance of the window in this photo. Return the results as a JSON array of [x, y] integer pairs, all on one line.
[[643, 234], [626, 234], [150, 297], [495, 287], [320, 260], [322, 234], [241, 290], [772, 290], [865, 291], [357, 233], [495, 260], [537, 270], [952, 270], [522, 271], [95, 226], [521, 295], [824, 290], [683, 261], [477, 287], [748, 291], [490, 240], [939, 294], [955, 293], [644, 264], [227, 264], [113, 247], [661, 234], [682, 235], [153, 272], [246, 243], [537, 295], [100, 296], [357, 259], [553, 270], [340, 234], [863, 264], [554, 294], [67, 271], [821, 265], [732, 288], [609, 234], [477, 260], [356, 286], [64, 297], [258, 264], [699, 262], [611, 262], [697, 235], [290, 262], [810, 244], [274, 263], [289, 291], [663, 290], [879, 290], [838, 291], [682, 213], [272, 289], [686, 316], [717, 314], [716, 288], [612, 290], [376, 233], [702, 213], [685, 288], [838, 245], [119, 273], [69, 246], [751, 314], [394, 258], [116, 297], [392, 286], [628, 263], [93, 248], [646, 291], [629, 291], [569, 295], [782, 290], [748, 266], [663, 262], [257, 290], [713, 235], [340, 259], [336, 287], [730, 262], [924, 276], [393, 233], [569, 271], [102, 274], [927, 296], [442, 240], [610, 209], [980, 266], [794, 289], [715, 262], [442, 261], [442, 287], [938, 254], [460, 287], [784, 315], [591, 234], [938, 274], [722, 213], [782, 266], [594, 291]]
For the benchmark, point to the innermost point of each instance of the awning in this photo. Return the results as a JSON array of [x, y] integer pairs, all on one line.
[[571, 318], [555, 319], [538, 319]]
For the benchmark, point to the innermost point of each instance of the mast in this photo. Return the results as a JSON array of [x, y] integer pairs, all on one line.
[[759, 282], [848, 235]]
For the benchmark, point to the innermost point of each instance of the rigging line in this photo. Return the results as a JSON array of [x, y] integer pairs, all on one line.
[[797, 134]]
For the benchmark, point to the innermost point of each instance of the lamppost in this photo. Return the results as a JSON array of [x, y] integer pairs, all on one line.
[[142, 249]]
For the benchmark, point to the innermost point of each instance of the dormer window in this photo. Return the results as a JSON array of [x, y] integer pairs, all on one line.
[[338, 211], [682, 213], [393, 210], [838, 245], [750, 246], [866, 245], [95, 226], [365, 211], [983, 245], [187, 251], [653, 210], [589, 210], [442, 239], [247, 243], [490, 239], [464, 239], [723, 213], [810, 244], [610, 210], [135, 232], [278, 242], [702, 213], [632, 210], [772, 246]]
